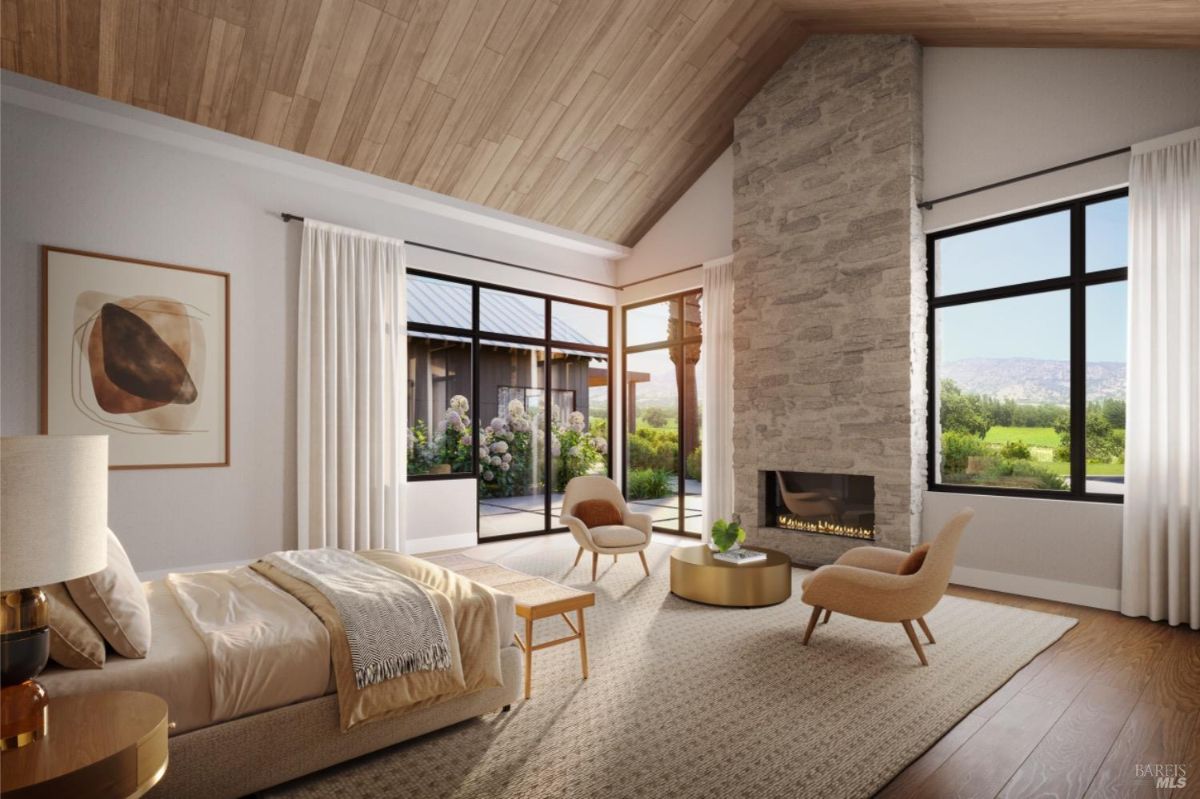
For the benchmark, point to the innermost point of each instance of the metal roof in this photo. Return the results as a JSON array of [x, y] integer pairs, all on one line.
[[448, 304]]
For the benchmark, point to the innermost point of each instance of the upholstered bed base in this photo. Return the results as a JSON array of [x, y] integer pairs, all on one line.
[[249, 754]]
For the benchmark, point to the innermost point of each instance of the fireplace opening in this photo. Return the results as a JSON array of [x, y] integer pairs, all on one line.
[[829, 504]]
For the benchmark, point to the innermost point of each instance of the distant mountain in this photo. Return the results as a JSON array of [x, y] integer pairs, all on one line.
[[1031, 381]]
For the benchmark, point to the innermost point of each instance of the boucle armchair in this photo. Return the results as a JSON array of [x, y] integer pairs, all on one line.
[[631, 535], [864, 583]]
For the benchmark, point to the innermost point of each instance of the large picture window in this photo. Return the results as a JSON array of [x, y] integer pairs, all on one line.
[[1027, 326], [664, 391], [511, 388]]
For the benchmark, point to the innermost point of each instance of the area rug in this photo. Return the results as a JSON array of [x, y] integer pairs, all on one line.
[[687, 700]]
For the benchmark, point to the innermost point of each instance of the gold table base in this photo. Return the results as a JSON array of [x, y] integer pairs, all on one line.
[[698, 576]]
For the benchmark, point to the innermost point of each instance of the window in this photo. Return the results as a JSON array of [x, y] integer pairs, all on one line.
[[1027, 357], [511, 388], [664, 391]]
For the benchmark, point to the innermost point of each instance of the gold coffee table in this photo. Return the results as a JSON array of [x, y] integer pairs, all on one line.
[[698, 576]]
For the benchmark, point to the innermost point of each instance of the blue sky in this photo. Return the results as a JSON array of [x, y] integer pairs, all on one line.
[[1034, 326]]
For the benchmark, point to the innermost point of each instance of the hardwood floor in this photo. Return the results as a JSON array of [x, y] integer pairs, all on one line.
[[1114, 692]]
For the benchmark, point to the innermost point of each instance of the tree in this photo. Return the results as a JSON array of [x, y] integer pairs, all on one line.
[[655, 416], [962, 413]]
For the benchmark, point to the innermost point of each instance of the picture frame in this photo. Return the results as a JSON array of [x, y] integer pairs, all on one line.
[[137, 350]]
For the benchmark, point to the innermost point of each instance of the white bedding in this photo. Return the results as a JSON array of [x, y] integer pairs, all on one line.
[[265, 648]]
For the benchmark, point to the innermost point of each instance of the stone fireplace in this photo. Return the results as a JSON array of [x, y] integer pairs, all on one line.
[[829, 282]]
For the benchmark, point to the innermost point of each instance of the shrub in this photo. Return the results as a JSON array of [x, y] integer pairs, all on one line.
[[957, 447], [654, 449], [694, 465], [1024, 474], [648, 483], [1016, 450]]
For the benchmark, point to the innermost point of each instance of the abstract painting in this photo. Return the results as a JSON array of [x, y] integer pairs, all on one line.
[[139, 351]]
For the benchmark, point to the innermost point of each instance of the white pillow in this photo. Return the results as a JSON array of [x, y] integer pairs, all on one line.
[[115, 603]]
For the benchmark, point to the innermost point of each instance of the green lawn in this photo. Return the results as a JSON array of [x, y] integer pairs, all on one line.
[[1093, 469], [1033, 436]]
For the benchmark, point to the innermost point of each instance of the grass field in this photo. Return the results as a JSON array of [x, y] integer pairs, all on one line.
[[1033, 436], [1093, 469]]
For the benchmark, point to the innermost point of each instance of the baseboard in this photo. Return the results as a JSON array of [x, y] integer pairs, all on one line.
[[417, 546], [1091, 596]]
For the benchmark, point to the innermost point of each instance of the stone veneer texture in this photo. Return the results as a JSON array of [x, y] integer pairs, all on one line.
[[829, 284]]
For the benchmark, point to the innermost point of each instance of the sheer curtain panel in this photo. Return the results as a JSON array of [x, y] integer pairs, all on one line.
[[351, 376], [1160, 565], [717, 453]]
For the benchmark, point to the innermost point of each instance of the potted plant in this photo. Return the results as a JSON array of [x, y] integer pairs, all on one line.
[[727, 535]]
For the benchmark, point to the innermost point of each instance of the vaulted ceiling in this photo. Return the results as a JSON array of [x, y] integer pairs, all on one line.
[[594, 115]]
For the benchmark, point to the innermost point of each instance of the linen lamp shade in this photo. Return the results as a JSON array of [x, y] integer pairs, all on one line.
[[53, 509]]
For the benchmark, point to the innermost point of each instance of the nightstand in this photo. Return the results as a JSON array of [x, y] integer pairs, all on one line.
[[97, 746]]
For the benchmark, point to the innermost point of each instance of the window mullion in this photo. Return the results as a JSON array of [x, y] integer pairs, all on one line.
[[1078, 354]]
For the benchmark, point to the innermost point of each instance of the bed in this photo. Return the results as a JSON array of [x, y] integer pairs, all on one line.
[[281, 719]]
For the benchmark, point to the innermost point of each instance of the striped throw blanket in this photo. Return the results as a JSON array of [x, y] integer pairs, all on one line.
[[392, 625]]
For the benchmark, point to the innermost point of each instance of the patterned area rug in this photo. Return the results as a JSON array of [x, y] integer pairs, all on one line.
[[686, 700]]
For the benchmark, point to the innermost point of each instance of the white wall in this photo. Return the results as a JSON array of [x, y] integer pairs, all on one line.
[[992, 114], [697, 229], [86, 173]]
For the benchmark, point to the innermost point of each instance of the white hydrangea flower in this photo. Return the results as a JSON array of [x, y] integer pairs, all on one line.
[[504, 467], [483, 452], [498, 424], [506, 457], [495, 460], [459, 403], [516, 408], [574, 452], [500, 447], [576, 421], [488, 476]]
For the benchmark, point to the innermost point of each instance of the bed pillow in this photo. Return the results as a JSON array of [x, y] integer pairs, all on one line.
[[115, 603], [912, 564], [597, 513], [74, 642]]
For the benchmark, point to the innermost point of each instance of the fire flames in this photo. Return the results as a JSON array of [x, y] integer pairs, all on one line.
[[790, 521]]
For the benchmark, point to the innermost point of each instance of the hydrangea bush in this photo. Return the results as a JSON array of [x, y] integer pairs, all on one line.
[[506, 446]]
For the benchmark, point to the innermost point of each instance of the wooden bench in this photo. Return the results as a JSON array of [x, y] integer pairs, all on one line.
[[536, 598]]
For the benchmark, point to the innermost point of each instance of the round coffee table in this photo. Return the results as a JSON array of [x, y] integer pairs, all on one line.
[[698, 576]]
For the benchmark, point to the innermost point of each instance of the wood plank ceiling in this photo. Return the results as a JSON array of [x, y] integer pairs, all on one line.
[[594, 115]]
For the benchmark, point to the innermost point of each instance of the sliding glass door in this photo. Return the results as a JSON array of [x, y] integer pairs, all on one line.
[[664, 393], [511, 388]]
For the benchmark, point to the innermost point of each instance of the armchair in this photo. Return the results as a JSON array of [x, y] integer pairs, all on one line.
[[632, 535], [864, 583]]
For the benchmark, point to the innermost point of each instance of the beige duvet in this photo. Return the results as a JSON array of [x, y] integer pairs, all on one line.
[[469, 612]]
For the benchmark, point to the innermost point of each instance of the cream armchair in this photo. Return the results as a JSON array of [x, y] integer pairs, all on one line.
[[632, 535], [864, 583]]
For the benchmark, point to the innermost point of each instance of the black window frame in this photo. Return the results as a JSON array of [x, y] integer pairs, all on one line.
[[548, 345], [1076, 282], [679, 343]]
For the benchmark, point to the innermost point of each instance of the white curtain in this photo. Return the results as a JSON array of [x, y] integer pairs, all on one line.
[[1160, 567], [717, 454], [351, 377]]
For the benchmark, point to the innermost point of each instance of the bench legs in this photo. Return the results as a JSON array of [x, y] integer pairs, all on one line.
[[578, 633]]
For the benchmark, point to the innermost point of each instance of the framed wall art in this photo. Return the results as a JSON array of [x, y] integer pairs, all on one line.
[[137, 350]]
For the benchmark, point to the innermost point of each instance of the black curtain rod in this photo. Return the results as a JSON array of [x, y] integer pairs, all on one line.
[[286, 217], [927, 204]]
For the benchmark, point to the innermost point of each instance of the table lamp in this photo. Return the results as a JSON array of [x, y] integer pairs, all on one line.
[[53, 527]]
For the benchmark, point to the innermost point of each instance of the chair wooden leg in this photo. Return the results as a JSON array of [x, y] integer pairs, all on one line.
[[925, 629], [595, 562], [828, 613], [645, 565], [578, 558], [912, 636], [812, 624]]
